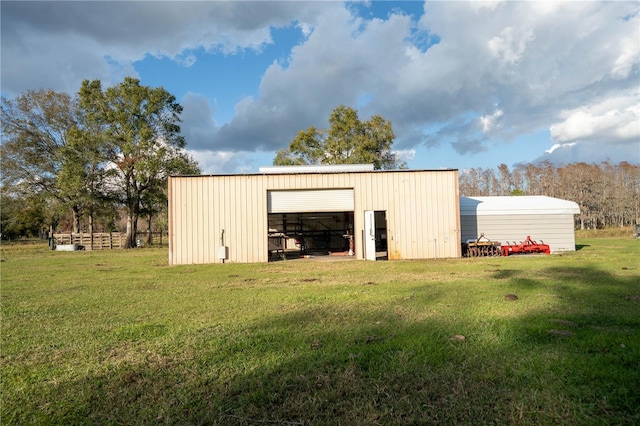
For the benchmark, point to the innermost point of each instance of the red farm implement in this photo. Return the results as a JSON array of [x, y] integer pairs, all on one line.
[[528, 246]]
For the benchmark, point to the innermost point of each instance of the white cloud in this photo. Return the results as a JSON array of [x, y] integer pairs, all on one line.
[[571, 67], [559, 146], [546, 7], [74, 38], [489, 122], [305, 28], [405, 155], [590, 153], [612, 120], [217, 162], [509, 47], [230, 162], [627, 57]]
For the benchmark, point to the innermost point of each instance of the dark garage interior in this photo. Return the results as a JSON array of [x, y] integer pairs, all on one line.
[[294, 235], [309, 234]]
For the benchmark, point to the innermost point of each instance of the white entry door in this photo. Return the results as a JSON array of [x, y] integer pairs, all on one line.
[[369, 235]]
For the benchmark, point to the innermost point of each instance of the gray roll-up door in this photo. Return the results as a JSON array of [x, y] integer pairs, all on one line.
[[311, 200]]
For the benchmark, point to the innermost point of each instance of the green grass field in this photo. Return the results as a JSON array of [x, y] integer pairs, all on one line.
[[119, 337]]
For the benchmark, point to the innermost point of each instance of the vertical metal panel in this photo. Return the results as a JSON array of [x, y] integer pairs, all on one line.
[[208, 249], [193, 218], [410, 188], [240, 214], [237, 244], [251, 215], [182, 221], [170, 217], [175, 222], [205, 225], [458, 229], [418, 221], [201, 248], [197, 221]]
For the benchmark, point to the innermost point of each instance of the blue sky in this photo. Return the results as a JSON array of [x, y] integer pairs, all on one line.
[[465, 84]]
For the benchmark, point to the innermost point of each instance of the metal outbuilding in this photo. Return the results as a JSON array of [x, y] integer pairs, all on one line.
[[348, 210], [513, 218]]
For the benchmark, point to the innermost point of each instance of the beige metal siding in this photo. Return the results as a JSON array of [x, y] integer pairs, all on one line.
[[422, 210], [423, 219], [201, 208]]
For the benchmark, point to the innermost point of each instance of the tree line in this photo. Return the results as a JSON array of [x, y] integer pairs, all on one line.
[[608, 194], [85, 160], [90, 156]]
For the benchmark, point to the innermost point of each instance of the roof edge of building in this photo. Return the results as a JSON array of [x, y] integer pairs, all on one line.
[[519, 204], [316, 173]]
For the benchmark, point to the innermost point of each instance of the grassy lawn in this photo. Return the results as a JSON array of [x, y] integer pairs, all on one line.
[[119, 337]]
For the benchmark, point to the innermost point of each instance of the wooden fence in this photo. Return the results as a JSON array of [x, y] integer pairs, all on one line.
[[95, 241], [105, 240]]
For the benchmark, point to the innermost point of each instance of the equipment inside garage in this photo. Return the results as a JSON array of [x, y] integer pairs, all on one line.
[[319, 234], [310, 233]]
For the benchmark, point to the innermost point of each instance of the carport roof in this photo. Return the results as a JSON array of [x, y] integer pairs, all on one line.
[[510, 205]]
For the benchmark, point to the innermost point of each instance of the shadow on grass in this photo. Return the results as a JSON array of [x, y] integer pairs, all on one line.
[[325, 365]]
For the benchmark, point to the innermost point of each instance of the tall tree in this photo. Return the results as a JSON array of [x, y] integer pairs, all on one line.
[[505, 185], [84, 176], [36, 128], [628, 190], [142, 135], [347, 141]]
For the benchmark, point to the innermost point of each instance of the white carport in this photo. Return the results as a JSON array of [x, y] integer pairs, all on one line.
[[512, 219]]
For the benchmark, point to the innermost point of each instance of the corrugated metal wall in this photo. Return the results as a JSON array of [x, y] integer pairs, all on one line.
[[422, 212], [553, 229]]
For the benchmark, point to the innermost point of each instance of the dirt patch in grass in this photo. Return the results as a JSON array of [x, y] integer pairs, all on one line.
[[458, 338], [613, 329], [561, 333], [564, 323]]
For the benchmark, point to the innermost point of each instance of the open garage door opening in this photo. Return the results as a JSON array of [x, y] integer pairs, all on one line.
[[310, 222], [295, 235]]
